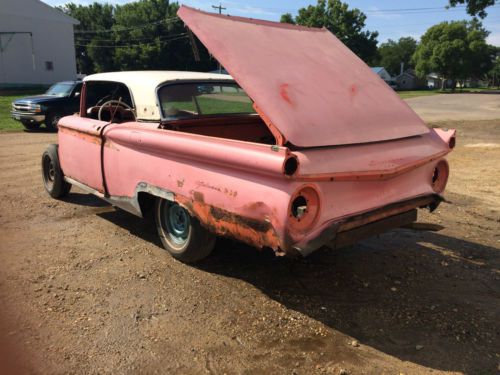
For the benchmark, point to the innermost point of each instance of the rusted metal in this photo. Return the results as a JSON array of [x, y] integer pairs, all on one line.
[[365, 231], [255, 232], [330, 154], [280, 138], [329, 232]]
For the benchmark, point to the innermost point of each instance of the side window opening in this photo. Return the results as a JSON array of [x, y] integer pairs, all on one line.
[[109, 100]]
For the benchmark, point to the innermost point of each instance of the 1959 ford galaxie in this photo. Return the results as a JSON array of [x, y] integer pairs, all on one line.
[[303, 146]]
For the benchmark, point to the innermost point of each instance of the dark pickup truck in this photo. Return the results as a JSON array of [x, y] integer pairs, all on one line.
[[61, 99]]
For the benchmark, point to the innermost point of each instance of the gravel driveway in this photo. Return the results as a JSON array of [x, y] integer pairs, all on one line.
[[455, 107], [87, 289]]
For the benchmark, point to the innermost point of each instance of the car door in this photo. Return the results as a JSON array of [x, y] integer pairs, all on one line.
[[80, 145]]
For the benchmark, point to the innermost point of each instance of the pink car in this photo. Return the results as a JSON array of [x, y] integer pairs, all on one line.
[[303, 146]]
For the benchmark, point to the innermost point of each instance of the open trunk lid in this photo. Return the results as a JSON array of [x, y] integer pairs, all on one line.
[[304, 82]]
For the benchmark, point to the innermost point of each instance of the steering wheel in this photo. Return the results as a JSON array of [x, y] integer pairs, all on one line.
[[109, 103], [102, 100]]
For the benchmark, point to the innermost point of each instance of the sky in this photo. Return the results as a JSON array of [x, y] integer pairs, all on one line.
[[391, 18]]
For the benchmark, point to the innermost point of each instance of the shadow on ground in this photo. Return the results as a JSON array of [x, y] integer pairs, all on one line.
[[420, 296], [83, 199]]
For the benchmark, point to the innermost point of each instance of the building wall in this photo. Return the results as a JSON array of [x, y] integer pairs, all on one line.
[[384, 75], [406, 82], [53, 42]]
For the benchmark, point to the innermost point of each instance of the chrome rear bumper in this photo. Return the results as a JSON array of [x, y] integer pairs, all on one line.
[[349, 230]]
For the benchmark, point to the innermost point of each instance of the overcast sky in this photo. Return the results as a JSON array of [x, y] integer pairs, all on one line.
[[391, 18]]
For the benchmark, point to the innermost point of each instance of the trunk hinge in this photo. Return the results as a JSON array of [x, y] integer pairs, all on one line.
[[280, 138]]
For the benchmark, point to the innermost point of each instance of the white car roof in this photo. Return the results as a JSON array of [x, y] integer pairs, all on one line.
[[143, 84]]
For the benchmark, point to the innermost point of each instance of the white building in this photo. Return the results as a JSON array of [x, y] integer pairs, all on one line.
[[36, 44]]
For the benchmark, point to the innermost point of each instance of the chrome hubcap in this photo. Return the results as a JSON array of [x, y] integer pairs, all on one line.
[[49, 172], [178, 223]]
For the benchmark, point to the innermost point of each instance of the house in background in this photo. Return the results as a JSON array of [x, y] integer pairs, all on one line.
[[433, 81], [408, 80], [384, 74], [36, 44]]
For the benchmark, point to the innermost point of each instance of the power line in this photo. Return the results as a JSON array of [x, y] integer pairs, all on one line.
[[220, 8], [425, 24], [168, 20], [133, 45], [80, 39], [377, 11]]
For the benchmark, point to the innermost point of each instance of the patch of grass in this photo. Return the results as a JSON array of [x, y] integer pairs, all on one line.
[[416, 93], [477, 89], [210, 106], [6, 98]]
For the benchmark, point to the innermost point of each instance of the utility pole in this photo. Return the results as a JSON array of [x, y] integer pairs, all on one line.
[[220, 8]]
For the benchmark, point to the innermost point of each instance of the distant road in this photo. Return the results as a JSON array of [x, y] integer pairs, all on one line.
[[457, 107]]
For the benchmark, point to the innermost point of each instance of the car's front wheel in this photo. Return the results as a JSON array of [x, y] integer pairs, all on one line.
[[28, 125], [181, 234], [52, 175], [51, 121]]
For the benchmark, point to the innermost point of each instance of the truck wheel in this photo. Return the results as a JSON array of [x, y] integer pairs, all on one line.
[[181, 234], [53, 178], [28, 125], [51, 121]]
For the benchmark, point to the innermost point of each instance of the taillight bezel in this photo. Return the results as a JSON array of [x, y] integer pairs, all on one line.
[[439, 176], [304, 222]]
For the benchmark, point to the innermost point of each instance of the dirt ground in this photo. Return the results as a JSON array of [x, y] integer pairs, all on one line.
[[87, 289], [455, 107]]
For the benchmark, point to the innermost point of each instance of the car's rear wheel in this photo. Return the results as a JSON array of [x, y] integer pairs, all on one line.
[[28, 125], [181, 234], [52, 175], [51, 121]]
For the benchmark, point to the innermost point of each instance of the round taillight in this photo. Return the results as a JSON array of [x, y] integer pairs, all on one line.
[[440, 176], [452, 142], [303, 209]]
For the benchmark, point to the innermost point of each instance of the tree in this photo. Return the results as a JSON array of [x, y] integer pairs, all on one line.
[[493, 75], [287, 18], [96, 17], [475, 7], [145, 34], [347, 24], [393, 53], [455, 50]]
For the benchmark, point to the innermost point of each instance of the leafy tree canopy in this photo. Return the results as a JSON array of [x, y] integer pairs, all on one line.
[[475, 7], [455, 50], [146, 34], [393, 53], [347, 24]]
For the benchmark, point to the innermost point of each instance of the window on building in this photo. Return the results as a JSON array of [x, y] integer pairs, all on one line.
[[49, 65]]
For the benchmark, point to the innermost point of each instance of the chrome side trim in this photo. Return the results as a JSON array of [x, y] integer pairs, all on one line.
[[88, 189], [129, 204]]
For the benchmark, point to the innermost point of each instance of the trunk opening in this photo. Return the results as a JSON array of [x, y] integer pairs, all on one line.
[[247, 128]]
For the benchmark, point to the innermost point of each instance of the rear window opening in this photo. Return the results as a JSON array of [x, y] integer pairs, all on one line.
[[213, 109]]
